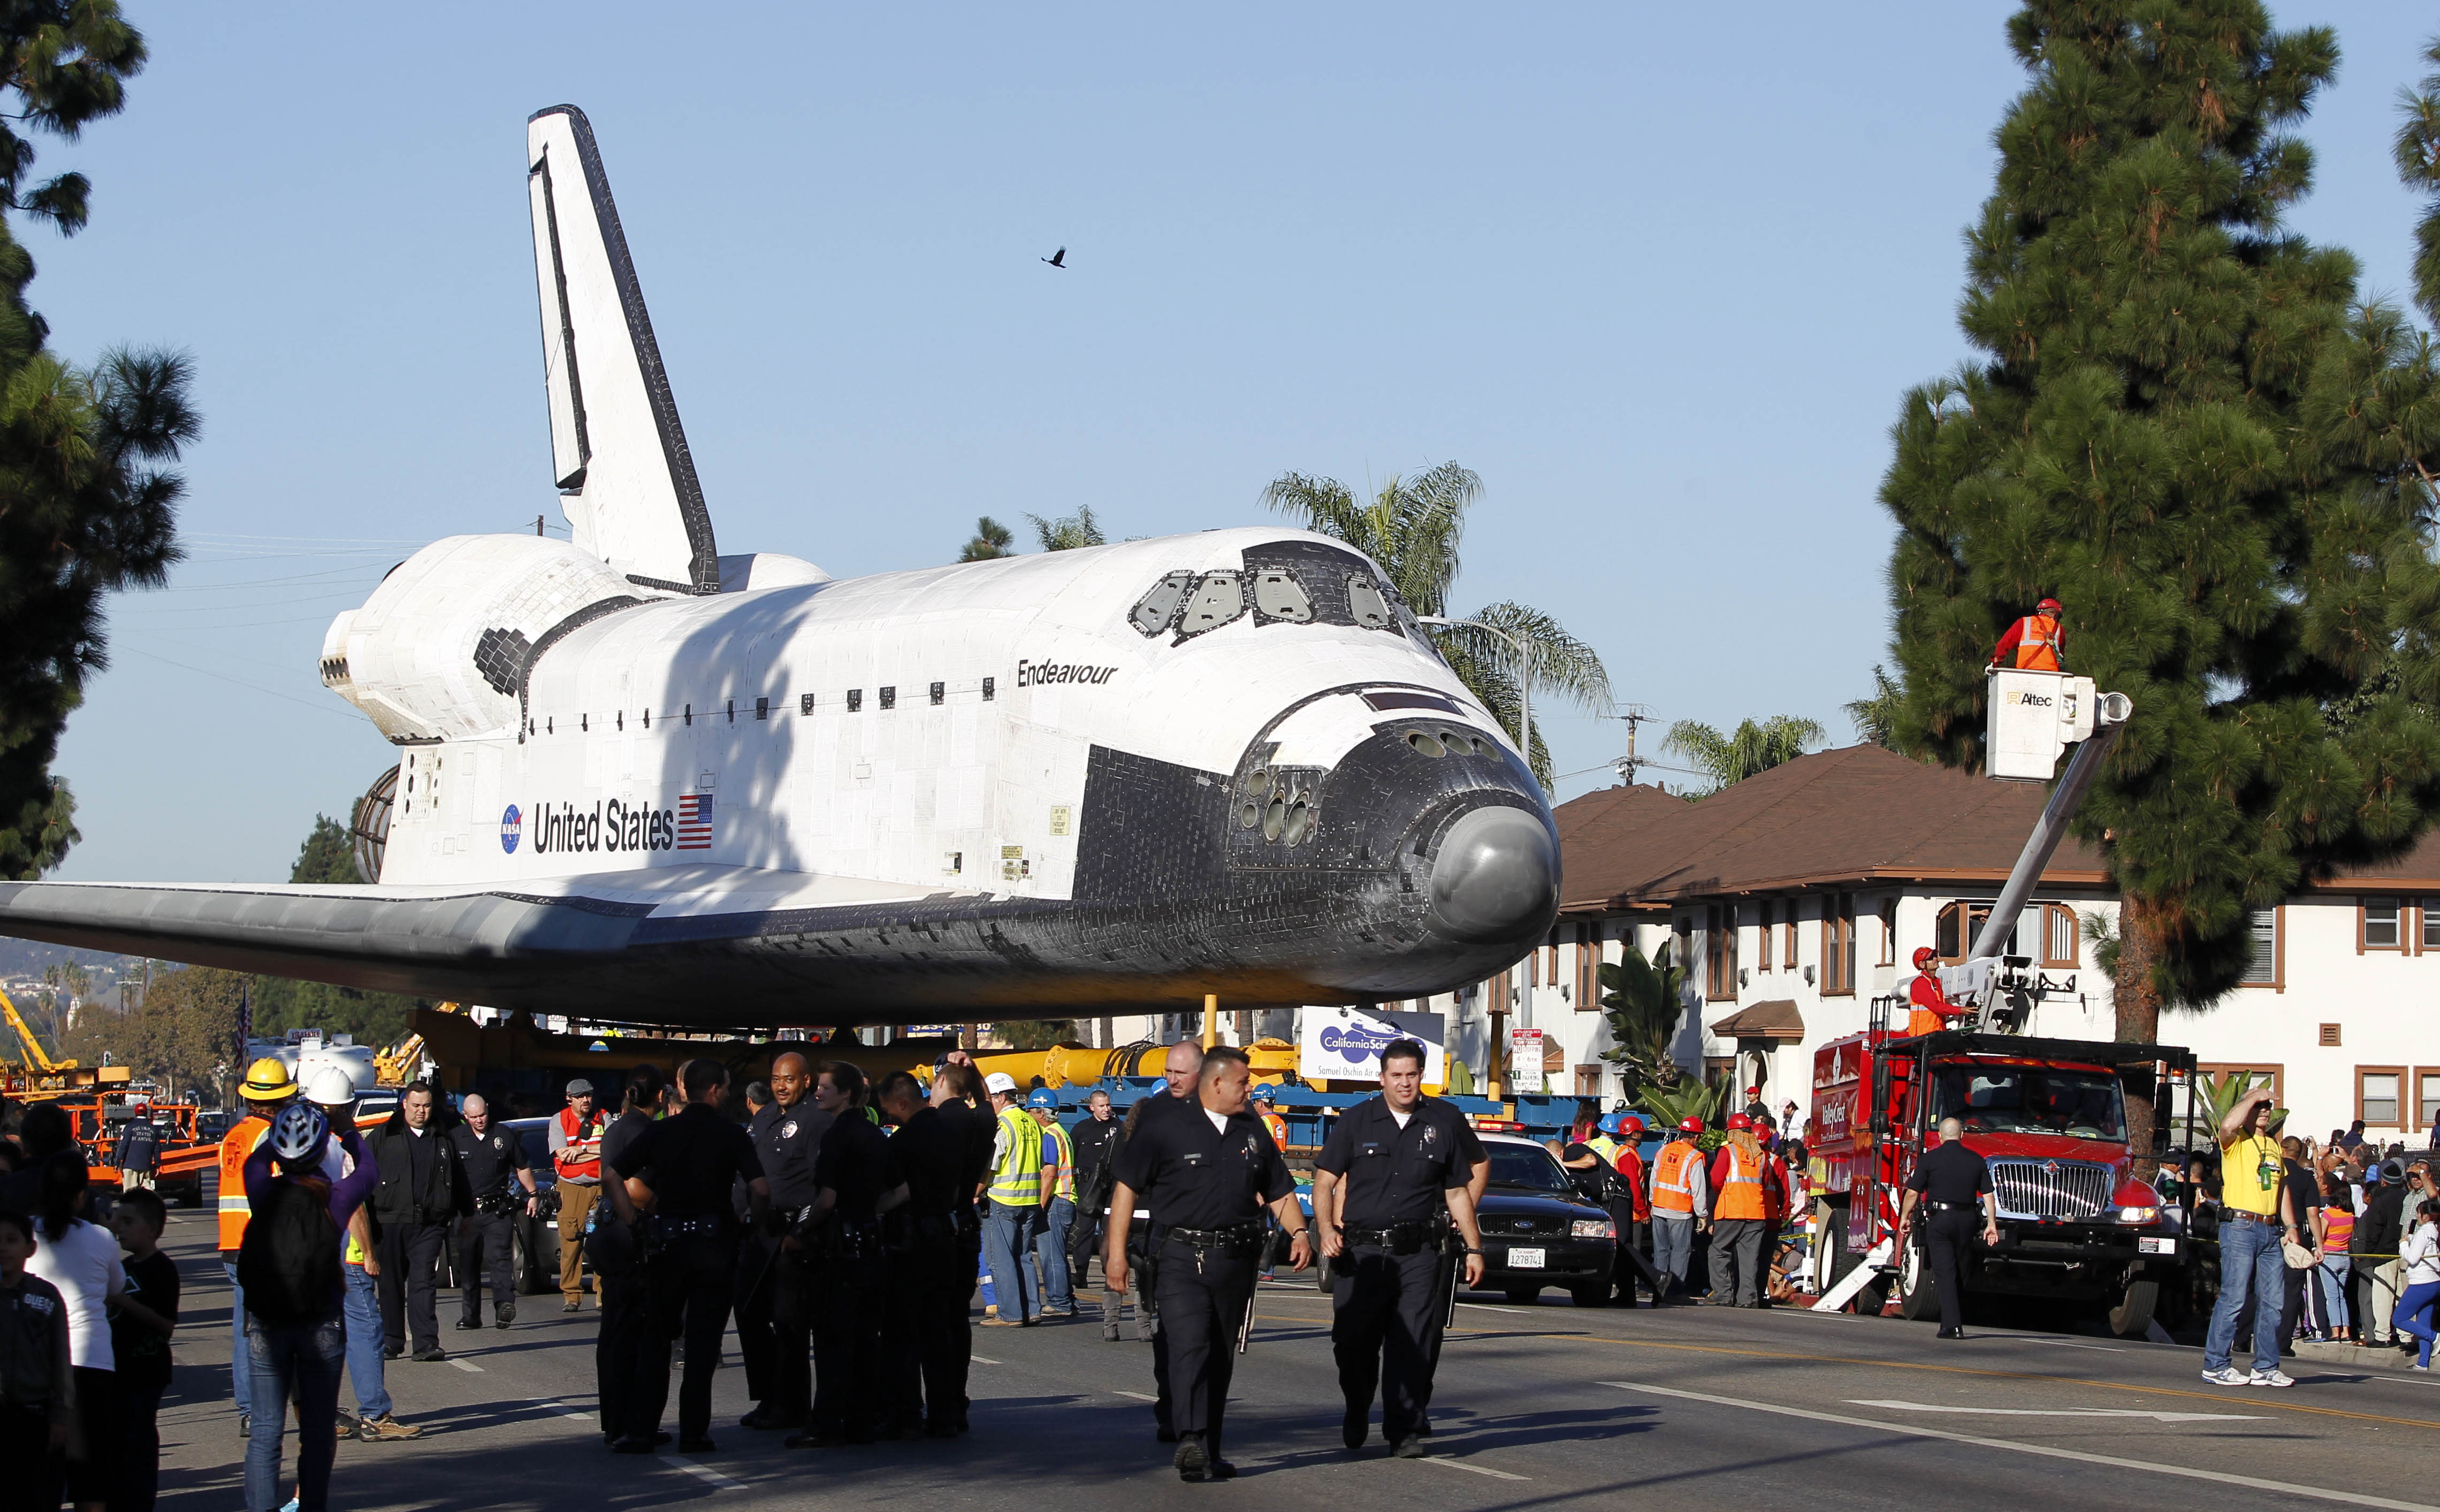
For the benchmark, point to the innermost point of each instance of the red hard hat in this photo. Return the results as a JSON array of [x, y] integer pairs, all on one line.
[[2049, 606], [1631, 1121], [1922, 954], [1738, 1121], [1689, 1125]]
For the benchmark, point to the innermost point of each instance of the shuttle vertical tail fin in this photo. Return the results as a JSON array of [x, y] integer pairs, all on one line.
[[619, 454]]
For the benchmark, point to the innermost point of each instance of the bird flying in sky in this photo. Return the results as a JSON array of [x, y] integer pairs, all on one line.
[[1058, 259]]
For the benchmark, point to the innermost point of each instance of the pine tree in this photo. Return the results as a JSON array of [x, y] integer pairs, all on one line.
[[84, 507], [990, 541], [2418, 166], [2182, 426]]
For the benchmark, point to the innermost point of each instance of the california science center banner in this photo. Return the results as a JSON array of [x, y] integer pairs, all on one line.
[[1345, 1044]]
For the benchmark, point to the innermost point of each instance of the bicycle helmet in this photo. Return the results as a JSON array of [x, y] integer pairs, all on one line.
[[298, 1133]]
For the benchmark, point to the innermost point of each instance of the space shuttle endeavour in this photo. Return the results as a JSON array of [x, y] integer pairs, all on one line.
[[642, 780]]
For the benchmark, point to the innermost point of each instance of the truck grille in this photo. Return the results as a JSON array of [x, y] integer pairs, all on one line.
[[2051, 1189]]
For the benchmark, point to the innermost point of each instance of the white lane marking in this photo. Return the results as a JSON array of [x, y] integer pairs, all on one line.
[[986, 1359], [562, 1409], [1141, 1397], [1486, 1307], [1479, 1470], [2063, 1343], [2060, 1412], [702, 1472], [2319, 1493], [471, 1370]]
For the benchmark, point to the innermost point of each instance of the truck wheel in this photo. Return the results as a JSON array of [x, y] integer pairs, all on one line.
[[2133, 1314], [1829, 1246], [1918, 1297]]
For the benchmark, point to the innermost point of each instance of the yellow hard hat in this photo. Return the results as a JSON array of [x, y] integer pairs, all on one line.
[[267, 1081]]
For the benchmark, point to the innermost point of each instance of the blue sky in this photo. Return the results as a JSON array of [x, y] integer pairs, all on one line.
[[1660, 274]]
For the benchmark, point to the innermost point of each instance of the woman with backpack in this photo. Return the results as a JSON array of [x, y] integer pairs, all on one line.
[[82, 1260], [289, 1266]]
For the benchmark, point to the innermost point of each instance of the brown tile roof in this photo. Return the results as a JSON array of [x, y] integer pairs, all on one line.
[[1775, 1019], [1859, 815], [2417, 870], [1608, 815]]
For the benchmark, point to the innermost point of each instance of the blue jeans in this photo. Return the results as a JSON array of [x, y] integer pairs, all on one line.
[[240, 1373], [1050, 1254], [304, 1360], [2414, 1317], [365, 1369], [2248, 1258], [1008, 1240], [2334, 1288]]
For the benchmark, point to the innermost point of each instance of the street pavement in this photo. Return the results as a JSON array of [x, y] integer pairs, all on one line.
[[1538, 1407]]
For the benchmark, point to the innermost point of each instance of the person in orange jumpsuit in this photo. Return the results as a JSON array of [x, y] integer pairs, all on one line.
[[2032, 644], [1927, 1007]]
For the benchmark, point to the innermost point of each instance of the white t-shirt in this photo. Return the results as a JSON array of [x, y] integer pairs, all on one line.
[[84, 1265], [1219, 1121]]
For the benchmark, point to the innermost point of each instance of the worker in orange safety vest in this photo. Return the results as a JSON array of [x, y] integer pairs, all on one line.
[[1927, 1007], [1680, 1196], [268, 1086], [1740, 1212], [2034, 641]]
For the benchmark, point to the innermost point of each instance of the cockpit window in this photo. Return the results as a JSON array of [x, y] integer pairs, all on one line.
[[1155, 610], [1278, 595], [1218, 598], [1366, 601]]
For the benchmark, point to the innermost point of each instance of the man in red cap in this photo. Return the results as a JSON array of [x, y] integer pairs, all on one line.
[[2033, 642], [1927, 1007], [1680, 1195]]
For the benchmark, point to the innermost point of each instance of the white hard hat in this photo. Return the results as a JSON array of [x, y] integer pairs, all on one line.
[[998, 1082], [330, 1086]]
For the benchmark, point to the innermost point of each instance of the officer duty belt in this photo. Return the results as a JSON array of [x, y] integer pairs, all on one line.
[[1246, 1237], [1398, 1239]]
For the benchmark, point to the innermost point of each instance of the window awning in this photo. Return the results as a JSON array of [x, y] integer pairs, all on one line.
[[1776, 1019]]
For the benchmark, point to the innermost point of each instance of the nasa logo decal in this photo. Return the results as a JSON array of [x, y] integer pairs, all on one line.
[[512, 829]]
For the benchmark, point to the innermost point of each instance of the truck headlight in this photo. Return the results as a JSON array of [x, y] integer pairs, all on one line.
[[2139, 1214], [1593, 1229]]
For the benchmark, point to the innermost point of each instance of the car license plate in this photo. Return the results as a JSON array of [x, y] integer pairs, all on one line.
[[2151, 1246], [1525, 1260]]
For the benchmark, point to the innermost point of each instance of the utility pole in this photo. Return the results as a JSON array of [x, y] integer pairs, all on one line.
[[1628, 765]]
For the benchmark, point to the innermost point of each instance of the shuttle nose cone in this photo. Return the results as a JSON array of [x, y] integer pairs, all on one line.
[[1497, 876]]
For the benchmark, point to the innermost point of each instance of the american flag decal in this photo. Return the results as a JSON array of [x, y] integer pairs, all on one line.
[[694, 821]]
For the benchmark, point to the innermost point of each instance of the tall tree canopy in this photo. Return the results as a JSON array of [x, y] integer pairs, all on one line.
[[1413, 527], [86, 505], [2185, 425], [1744, 751], [2418, 165]]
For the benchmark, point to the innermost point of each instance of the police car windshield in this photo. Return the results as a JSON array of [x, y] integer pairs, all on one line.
[[2031, 1100], [1527, 1166]]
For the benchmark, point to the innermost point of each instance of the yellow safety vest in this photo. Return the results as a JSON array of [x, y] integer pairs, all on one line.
[[1017, 1183], [1602, 1145], [1066, 1185]]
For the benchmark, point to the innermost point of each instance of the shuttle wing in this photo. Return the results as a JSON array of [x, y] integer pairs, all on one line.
[[563, 944], [617, 453]]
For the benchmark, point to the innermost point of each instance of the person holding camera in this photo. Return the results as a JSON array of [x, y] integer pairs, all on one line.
[[496, 1168], [2258, 1215]]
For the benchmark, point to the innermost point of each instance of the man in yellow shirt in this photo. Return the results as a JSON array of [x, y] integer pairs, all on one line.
[[2255, 1219]]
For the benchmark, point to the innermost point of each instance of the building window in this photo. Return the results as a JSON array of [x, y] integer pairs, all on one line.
[[1550, 960], [2265, 969], [1588, 1081], [1837, 946], [1720, 952], [1787, 936], [1763, 937], [1889, 932], [2376, 1095], [2379, 926], [1588, 942], [2427, 1096], [1955, 932], [1495, 992], [1534, 969], [2059, 941], [2430, 921]]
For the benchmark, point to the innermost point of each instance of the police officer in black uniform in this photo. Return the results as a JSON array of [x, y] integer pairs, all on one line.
[[1205, 1172], [691, 1249], [496, 1168], [775, 1298], [924, 1294], [856, 1181], [616, 1250], [1390, 1182], [1952, 1182]]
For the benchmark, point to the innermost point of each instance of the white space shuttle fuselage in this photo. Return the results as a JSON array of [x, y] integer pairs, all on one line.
[[638, 778]]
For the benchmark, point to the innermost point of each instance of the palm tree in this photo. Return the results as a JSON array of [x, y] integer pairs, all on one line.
[[1875, 718], [1073, 530], [1749, 749], [991, 540], [1412, 528]]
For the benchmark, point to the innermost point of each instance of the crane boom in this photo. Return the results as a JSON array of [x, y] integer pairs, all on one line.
[[41, 1058]]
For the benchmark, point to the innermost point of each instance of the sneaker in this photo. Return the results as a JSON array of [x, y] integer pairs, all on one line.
[[569, 1306], [2273, 1376], [505, 1314], [387, 1429], [2225, 1375]]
